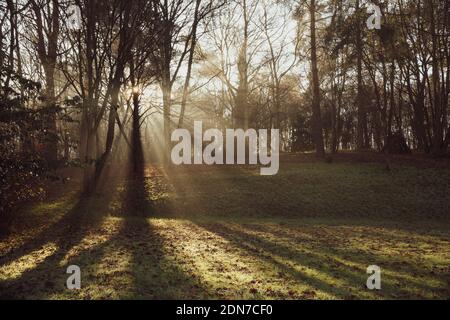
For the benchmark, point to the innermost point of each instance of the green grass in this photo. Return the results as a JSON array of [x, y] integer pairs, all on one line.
[[228, 233]]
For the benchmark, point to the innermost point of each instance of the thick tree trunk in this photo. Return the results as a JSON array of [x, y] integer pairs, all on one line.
[[47, 44], [417, 101], [51, 136], [136, 144]]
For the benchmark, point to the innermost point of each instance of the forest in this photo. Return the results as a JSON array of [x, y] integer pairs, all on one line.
[[91, 92]]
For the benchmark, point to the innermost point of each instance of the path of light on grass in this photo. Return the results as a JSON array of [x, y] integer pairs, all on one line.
[[260, 264], [16, 268]]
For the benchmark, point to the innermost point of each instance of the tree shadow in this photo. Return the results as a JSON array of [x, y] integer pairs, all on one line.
[[253, 245], [85, 217], [86, 211], [65, 234], [397, 270], [154, 275], [328, 261], [69, 223], [129, 262]]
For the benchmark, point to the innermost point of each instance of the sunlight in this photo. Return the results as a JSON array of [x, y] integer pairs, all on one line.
[[94, 238], [232, 262], [16, 268], [336, 257]]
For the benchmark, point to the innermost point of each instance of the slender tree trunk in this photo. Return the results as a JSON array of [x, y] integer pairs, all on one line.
[[189, 66], [241, 101], [438, 130], [123, 54], [316, 116], [361, 130], [167, 97]]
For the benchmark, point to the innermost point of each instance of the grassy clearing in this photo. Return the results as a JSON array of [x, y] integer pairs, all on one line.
[[225, 232]]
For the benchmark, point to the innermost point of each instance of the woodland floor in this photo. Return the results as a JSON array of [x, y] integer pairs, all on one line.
[[222, 232]]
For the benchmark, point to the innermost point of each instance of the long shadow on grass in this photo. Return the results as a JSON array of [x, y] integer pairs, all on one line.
[[129, 262], [49, 233], [338, 245], [324, 260], [85, 211], [154, 275], [42, 277], [65, 234], [401, 271], [264, 251]]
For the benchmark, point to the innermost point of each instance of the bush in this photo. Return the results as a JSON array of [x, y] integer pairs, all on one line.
[[21, 168]]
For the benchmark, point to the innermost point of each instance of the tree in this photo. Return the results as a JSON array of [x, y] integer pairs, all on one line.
[[317, 133], [47, 18]]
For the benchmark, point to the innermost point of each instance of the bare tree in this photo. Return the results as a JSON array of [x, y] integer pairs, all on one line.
[[47, 18]]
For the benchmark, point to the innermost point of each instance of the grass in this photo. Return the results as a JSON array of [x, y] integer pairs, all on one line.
[[228, 233]]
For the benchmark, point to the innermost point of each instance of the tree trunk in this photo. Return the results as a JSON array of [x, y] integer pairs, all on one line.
[[189, 66], [241, 103], [47, 52], [361, 130], [316, 116]]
